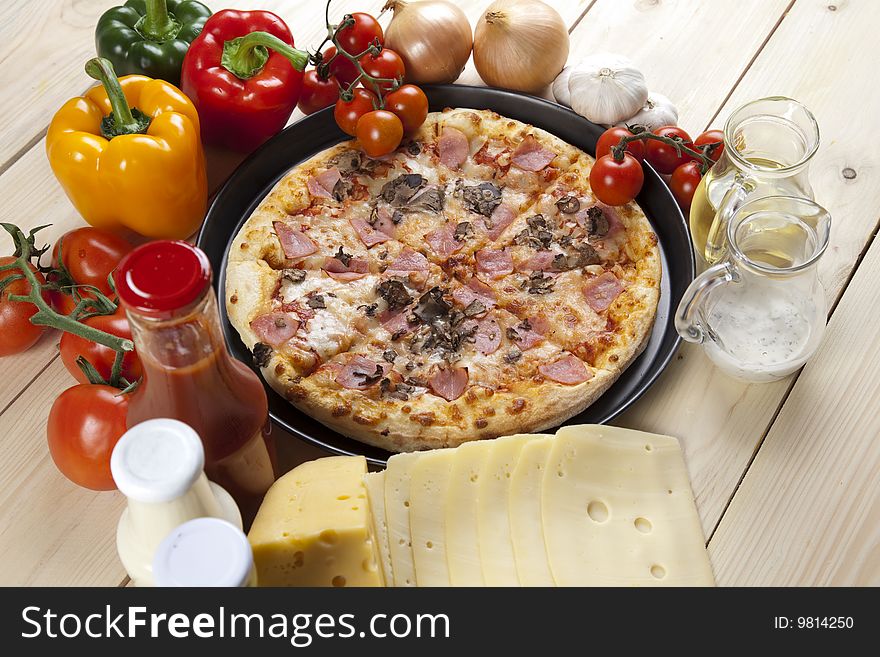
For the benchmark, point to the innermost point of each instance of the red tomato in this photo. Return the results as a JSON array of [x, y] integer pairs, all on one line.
[[379, 132], [17, 334], [342, 67], [85, 423], [664, 157], [611, 137], [684, 183], [387, 64], [347, 113], [616, 183], [90, 255], [410, 104], [358, 37], [711, 137], [73, 346], [317, 93]]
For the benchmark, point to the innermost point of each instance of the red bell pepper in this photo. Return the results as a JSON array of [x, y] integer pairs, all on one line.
[[244, 76]]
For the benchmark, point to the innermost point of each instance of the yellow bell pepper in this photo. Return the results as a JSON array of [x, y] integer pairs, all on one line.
[[128, 154]]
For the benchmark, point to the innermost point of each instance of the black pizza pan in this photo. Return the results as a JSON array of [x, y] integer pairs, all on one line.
[[256, 176]]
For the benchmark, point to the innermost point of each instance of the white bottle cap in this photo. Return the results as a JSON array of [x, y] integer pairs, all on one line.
[[204, 552], [157, 460]]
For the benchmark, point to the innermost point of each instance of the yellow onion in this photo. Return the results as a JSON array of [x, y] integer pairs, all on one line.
[[433, 37], [520, 45]]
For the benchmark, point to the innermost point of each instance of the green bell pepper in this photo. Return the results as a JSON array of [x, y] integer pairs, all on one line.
[[150, 37]]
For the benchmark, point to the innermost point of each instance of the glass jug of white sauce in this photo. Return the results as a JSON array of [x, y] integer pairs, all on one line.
[[760, 313]]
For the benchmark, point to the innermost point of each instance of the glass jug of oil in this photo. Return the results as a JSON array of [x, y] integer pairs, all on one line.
[[760, 312], [768, 144]]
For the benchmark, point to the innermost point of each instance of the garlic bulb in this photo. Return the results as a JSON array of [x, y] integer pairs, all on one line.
[[560, 87], [520, 45], [607, 88], [433, 37], [657, 112]]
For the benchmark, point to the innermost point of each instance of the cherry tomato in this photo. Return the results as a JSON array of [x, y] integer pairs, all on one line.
[[85, 423], [342, 67], [317, 93], [410, 104], [611, 137], [90, 255], [358, 37], [664, 157], [347, 113], [711, 137], [387, 64], [17, 334], [73, 346], [616, 183], [684, 183], [379, 132]]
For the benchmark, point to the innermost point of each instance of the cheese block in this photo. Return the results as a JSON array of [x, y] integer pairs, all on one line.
[[429, 483], [493, 515], [397, 491], [374, 482], [618, 510], [462, 533], [526, 525], [314, 528]]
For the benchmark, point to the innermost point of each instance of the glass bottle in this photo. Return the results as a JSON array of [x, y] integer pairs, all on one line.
[[205, 552], [189, 375], [158, 466]]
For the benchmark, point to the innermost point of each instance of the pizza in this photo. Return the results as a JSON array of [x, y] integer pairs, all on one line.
[[466, 286]]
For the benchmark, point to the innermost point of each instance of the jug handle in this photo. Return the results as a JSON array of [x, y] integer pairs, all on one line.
[[687, 317], [733, 199]]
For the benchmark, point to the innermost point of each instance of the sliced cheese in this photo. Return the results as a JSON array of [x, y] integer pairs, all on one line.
[[462, 533], [526, 525], [374, 482], [618, 511], [314, 528], [397, 492], [429, 483], [493, 517]]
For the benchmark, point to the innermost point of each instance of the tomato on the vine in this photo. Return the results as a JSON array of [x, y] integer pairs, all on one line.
[[90, 255], [17, 334], [410, 104], [348, 112], [612, 136], [356, 38], [616, 183], [379, 132], [317, 93], [683, 183], [342, 67], [664, 157], [101, 357], [85, 423], [387, 64], [711, 137]]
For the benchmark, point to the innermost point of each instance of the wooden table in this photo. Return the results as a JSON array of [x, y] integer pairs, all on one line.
[[786, 475]]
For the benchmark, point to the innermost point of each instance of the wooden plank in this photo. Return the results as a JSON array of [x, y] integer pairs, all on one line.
[[721, 421], [692, 52], [51, 531], [808, 511]]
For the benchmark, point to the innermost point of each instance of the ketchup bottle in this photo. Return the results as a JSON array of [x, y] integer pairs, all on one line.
[[165, 288]]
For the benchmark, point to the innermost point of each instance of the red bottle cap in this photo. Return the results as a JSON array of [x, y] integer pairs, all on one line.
[[160, 277]]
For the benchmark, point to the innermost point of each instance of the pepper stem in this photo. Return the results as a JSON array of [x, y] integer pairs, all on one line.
[[123, 120], [157, 24], [246, 56]]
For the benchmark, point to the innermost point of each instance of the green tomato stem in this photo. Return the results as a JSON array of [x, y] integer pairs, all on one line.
[[619, 149]]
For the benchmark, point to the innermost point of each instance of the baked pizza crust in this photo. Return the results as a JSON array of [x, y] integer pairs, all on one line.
[[426, 421]]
